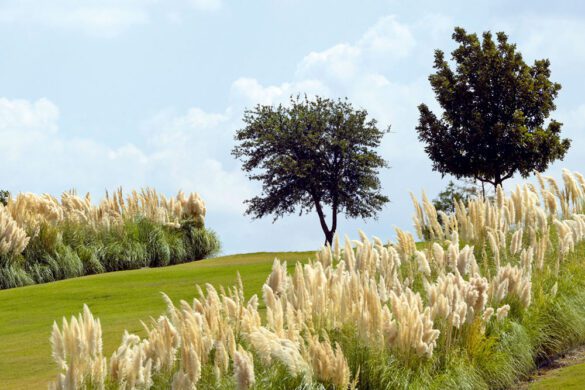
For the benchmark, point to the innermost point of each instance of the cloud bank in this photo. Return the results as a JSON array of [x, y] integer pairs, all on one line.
[[383, 70]]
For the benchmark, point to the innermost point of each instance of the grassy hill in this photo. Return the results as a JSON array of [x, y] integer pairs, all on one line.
[[122, 299], [119, 299]]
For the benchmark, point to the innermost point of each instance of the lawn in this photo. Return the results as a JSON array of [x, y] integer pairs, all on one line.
[[119, 299], [570, 377]]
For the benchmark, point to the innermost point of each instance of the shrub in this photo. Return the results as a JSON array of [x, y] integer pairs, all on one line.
[[177, 246], [199, 243], [43, 239], [157, 248], [90, 259], [13, 276], [69, 263]]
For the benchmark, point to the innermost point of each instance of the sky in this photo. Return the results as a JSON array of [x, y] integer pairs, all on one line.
[[100, 94]]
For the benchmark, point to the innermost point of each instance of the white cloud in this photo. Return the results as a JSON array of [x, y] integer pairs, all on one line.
[[100, 18], [32, 147], [548, 37], [23, 123], [198, 118], [21, 115], [223, 190], [386, 41], [388, 37], [251, 89], [127, 151], [181, 153], [105, 19], [340, 61], [190, 149], [248, 91], [169, 131]]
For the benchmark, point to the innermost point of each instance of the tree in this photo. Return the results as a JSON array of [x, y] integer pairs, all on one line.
[[494, 112], [445, 200], [4, 195], [310, 155]]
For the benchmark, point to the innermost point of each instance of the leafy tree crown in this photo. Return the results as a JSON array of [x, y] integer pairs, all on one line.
[[309, 154], [495, 110]]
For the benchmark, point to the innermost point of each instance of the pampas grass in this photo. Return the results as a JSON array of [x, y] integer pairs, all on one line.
[[43, 239], [472, 307], [13, 238], [77, 350]]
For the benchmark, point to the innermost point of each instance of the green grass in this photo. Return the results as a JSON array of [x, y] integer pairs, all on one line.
[[571, 377], [119, 299]]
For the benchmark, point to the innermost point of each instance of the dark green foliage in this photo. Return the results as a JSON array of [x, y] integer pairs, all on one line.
[[41, 254], [70, 249], [495, 108], [9, 259], [199, 243], [14, 276], [276, 376], [70, 266], [90, 259], [312, 154], [42, 272], [446, 198], [556, 323], [124, 254], [4, 195], [44, 240], [156, 244], [177, 246]]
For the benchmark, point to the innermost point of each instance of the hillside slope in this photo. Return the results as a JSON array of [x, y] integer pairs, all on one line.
[[119, 299]]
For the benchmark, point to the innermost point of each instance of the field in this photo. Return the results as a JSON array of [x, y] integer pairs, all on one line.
[[489, 292], [405, 187], [120, 299]]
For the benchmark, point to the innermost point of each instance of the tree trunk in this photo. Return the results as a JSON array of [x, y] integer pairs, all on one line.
[[329, 238], [328, 233], [498, 182], [333, 222]]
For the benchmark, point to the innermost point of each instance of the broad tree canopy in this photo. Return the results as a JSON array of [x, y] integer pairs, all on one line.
[[309, 155], [495, 108]]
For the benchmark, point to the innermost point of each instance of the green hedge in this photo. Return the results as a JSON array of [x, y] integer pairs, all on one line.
[[68, 250]]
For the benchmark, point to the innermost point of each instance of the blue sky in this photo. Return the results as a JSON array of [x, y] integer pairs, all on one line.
[[101, 94]]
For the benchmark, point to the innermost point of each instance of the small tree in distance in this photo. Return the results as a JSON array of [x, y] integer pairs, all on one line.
[[4, 195], [445, 200], [310, 155], [494, 112]]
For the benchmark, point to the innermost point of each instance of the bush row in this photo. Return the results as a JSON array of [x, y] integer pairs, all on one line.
[[70, 249]]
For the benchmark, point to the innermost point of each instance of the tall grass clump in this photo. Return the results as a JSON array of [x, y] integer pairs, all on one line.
[[43, 239], [13, 241], [497, 287]]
